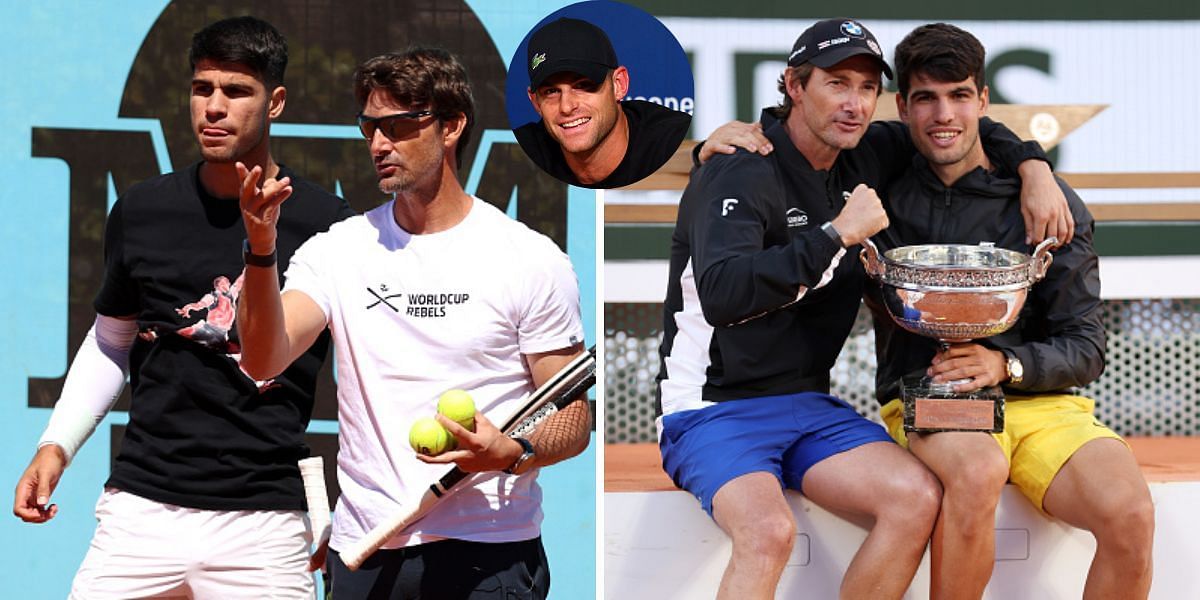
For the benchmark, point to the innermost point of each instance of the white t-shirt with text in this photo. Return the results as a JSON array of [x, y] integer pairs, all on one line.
[[413, 316]]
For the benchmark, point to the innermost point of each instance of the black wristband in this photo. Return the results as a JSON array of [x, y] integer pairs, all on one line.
[[833, 234], [258, 260]]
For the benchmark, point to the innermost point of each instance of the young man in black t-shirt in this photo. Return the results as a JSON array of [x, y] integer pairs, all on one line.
[[587, 136], [205, 495]]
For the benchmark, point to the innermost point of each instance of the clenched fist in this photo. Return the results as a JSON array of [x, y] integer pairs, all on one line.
[[862, 217]]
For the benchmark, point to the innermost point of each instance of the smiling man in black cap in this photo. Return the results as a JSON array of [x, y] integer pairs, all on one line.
[[761, 297], [587, 135]]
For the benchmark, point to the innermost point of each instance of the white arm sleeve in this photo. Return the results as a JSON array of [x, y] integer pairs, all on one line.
[[94, 381]]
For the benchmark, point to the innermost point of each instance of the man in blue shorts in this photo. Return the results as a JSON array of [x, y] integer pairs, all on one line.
[[761, 297]]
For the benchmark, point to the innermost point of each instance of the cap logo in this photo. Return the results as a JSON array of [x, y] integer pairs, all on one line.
[[852, 29], [874, 47], [537, 60], [834, 42]]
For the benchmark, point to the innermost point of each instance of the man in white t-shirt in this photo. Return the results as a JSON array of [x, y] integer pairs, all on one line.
[[434, 290]]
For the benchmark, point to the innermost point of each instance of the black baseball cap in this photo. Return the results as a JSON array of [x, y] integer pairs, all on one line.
[[569, 45], [831, 41]]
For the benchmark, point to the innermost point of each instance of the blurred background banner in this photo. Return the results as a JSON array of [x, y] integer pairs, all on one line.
[[97, 99], [1132, 57]]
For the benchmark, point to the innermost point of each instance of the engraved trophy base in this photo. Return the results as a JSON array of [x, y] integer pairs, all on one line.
[[930, 407]]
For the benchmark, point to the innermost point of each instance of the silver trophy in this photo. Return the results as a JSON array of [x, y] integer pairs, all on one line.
[[954, 293]]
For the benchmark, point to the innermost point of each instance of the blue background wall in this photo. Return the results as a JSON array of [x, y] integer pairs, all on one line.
[[65, 67]]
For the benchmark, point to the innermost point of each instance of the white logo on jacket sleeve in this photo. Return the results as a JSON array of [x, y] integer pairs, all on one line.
[[727, 205], [796, 218]]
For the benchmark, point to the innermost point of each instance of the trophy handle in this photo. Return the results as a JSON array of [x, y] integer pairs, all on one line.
[[1042, 258], [870, 259]]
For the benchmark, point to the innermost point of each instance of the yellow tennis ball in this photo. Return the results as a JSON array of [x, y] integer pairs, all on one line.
[[458, 406], [428, 437]]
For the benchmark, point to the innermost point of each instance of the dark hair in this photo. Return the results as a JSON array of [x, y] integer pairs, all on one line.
[[801, 73], [246, 41], [421, 77], [941, 52]]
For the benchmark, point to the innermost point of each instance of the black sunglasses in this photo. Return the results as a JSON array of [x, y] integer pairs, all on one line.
[[394, 126]]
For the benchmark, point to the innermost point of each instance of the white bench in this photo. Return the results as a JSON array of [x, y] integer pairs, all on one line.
[[659, 544]]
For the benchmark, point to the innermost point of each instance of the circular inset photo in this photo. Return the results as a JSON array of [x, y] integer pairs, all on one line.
[[600, 94]]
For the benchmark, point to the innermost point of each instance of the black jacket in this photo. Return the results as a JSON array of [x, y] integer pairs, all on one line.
[[1058, 337], [746, 245], [749, 310]]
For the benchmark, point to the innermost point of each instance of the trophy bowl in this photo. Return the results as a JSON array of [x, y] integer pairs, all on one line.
[[954, 293]]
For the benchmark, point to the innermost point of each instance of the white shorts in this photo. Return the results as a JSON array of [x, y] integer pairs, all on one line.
[[147, 549]]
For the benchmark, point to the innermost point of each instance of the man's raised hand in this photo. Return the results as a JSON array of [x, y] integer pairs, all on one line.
[[260, 206]]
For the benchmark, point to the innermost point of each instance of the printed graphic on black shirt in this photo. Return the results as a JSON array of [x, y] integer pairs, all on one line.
[[220, 310]]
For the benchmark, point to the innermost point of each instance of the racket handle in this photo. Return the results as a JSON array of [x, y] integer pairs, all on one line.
[[312, 472], [354, 555]]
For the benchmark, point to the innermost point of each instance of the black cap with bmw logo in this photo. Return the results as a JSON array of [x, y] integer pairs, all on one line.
[[831, 41]]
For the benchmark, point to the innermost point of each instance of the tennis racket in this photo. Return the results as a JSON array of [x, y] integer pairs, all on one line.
[[557, 392]]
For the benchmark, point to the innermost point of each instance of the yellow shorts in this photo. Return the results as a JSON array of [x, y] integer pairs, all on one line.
[[1040, 435]]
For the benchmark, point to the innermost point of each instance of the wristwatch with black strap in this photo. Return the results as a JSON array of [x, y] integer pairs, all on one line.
[[520, 465], [833, 234]]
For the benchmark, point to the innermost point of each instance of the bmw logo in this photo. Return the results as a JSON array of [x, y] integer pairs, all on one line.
[[852, 29]]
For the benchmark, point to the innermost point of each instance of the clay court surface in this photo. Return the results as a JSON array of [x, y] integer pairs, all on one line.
[[638, 467]]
